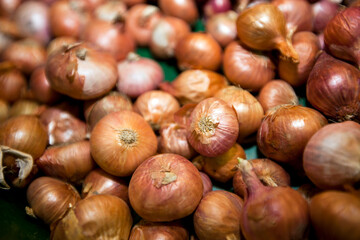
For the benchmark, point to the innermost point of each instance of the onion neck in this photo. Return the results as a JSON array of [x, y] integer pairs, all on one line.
[[287, 50], [252, 182]]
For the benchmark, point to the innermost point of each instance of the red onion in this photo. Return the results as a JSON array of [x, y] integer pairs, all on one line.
[[323, 11], [222, 27], [184, 9], [138, 75], [213, 7]]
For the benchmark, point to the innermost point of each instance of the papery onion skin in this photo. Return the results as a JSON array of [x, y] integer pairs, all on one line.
[[171, 188], [96, 217], [222, 27], [69, 162], [323, 12], [157, 107], [81, 71], [12, 82], [50, 198], [221, 168], [121, 141], [335, 215], [248, 109], [342, 35], [110, 10], [140, 21], [182, 115], [332, 155], [58, 43], [308, 47], [154, 231], [198, 51], [213, 127], [218, 215], [207, 184], [333, 87], [100, 182], [185, 9], [269, 173], [245, 68], [275, 93], [193, 86], [285, 131]]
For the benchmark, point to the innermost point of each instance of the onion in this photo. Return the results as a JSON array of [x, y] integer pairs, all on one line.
[[221, 168], [110, 10], [100, 182], [121, 141], [153, 231], [213, 7], [109, 37], [140, 21], [285, 131], [138, 75], [32, 19], [185, 9], [298, 15], [26, 107], [245, 68], [275, 93], [26, 54], [7, 8], [69, 162], [272, 212], [173, 140], [166, 34], [335, 215], [171, 188], [269, 173], [323, 11], [307, 46], [157, 107], [213, 127], [81, 71], [62, 126], [248, 109], [193, 86], [9, 32], [333, 88], [341, 38], [12, 82], [263, 27], [59, 43], [4, 110], [131, 3], [222, 27], [219, 216], [50, 199], [198, 51], [207, 184], [308, 191], [95, 217], [183, 114], [332, 155]]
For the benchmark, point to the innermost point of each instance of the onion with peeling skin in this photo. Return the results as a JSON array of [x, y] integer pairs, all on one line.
[[110, 10], [58, 43]]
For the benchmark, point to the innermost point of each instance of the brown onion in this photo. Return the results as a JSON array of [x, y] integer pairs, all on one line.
[[26, 107], [219, 216], [342, 35], [7, 8], [285, 131], [332, 155], [248, 109], [333, 87], [171, 188], [323, 11], [12, 82], [182, 115], [157, 107], [4, 110], [275, 93], [131, 3], [50, 199], [81, 71], [154, 231], [207, 184], [335, 215], [198, 51], [221, 168], [26, 54], [109, 37], [269, 173], [263, 27], [138, 75], [95, 217], [173, 140], [213, 127], [222, 27], [245, 68], [110, 10], [166, 34], [59, 43], [272, 212], [62, 126], [121, 141], [113, 102], [9, 32], [100, 182], [69, 162], [185, 9], [140, 21], [193, 86], [308, 190], [307, 46]]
